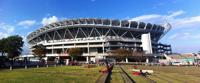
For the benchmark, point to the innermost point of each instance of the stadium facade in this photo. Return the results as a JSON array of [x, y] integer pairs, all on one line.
[[95, 37]]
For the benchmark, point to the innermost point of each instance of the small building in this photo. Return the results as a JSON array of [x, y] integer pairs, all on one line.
[[180, 59]]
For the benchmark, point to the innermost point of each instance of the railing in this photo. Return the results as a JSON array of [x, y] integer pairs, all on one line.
[[96, 54]]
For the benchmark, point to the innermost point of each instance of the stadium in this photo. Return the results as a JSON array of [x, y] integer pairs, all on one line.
[[95, 37]]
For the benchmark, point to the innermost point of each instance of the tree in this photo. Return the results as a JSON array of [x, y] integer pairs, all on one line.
[[74, 52], [39, 51], [122, 52], [139, 54], [13, 46], [2, 46]]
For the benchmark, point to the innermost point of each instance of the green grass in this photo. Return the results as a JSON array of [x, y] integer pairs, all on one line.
[[78, 74], [137, 79], [116, 75], [66, 74], [172, 74], [117, 78]]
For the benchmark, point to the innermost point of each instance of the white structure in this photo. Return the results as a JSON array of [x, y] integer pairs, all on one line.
[[146, 43], [95, 37]]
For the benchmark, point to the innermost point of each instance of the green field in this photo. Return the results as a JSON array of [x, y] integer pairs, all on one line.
[[66, 74], [168, 74], [79, 74], [116, 75]]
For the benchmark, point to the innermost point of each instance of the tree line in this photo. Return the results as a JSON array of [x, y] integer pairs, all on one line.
[[40, 51]]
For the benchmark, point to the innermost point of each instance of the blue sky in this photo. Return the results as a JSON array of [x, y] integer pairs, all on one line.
[[24, 16]]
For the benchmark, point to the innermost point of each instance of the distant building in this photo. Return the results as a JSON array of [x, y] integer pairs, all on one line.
[[181, 59]]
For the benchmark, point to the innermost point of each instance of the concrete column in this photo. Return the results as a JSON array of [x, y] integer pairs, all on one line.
[[103, 48], [63, 50], [88, 49], [67, 62], [52, 50], [126, 60], [87, 59], [147, 60]]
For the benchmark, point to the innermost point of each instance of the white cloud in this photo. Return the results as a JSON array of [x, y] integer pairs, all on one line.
[[172, 18], [46, 21], [174, 36], [185, 36], [146, 17], [27, 23], [2, 35], [152, 18], [6, 30], [157, 18], [187, 22], [176, 13]]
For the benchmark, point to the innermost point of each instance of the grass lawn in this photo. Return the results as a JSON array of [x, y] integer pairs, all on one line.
[[78, 74], [169, 74], [137, 79], [117, 78], [65, 74]]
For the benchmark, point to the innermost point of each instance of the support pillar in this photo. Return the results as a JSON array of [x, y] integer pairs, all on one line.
[[126, 60], [67, 62], [63, 50], [87, 59], [52, 50], [103, 48]]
